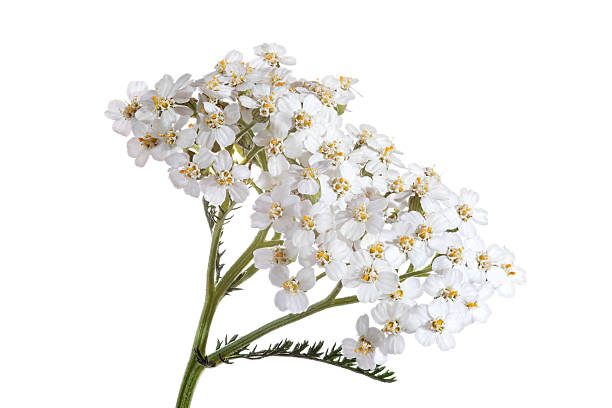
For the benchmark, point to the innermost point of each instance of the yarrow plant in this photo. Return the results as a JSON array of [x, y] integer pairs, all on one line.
[[334, 206]]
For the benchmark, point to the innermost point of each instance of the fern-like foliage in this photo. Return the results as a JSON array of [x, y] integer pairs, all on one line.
[[306, 350]]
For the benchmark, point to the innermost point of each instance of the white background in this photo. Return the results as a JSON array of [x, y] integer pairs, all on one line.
[[102, 263]]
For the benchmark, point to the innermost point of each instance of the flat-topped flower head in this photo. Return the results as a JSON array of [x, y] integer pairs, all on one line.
[[333, 199]]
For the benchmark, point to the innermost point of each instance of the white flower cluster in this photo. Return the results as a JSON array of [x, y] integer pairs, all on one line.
[[339, 196]]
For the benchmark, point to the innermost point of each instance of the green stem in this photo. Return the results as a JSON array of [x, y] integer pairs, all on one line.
[[423, 272], [190, 380], [329, 302], [244, 130], [193, 370]]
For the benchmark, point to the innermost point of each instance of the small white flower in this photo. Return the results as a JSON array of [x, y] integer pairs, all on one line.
[[185, 173], [506, 275], [306, 179], [451, 288], [394, 317], [476, 310], [228, 177], [361, 215], [273, 55], [438, 324], [371, 277], [367, 135], [466, 214], [406, 245], [482, 262], [368, 349], [216, 125], [146, 142], [331, 254], [406, 292], [276, 208], [165, 100], [232, 57], [264, 99], [311, 219], [173, 134], [273, 257], [430, 230], [124, 113], [291, 296], [273, 141]]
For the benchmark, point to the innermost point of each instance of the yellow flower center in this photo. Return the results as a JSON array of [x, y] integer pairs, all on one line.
[[161, 104], [437, 325], [423, 232], [148, 141], [130, 110], [302, 120], [377, 250], [291, 286], [191, 171], [364, 347], [464, 211], [449, 293], [276, 211], [406, 243], [369, 275], [215, 120], [392, 327], [275, 147], [455, 254], [307, 223], [340, 185], [323, 258], [224, 178], [361, 213], [483, 262], [280, 256]]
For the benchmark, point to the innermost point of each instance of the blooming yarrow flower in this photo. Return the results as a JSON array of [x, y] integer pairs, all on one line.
[[331, 254], [216, 123], [185, 173], [276, 208], [466, 214], [291, 296], [146, 142], [332, 199], [228, 178], [361, 215], [505, 275], [273, 55], [166, 99], [124, 113], [438, 324], [394, 317], [372, 277], [368, 349], [406, 292]]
